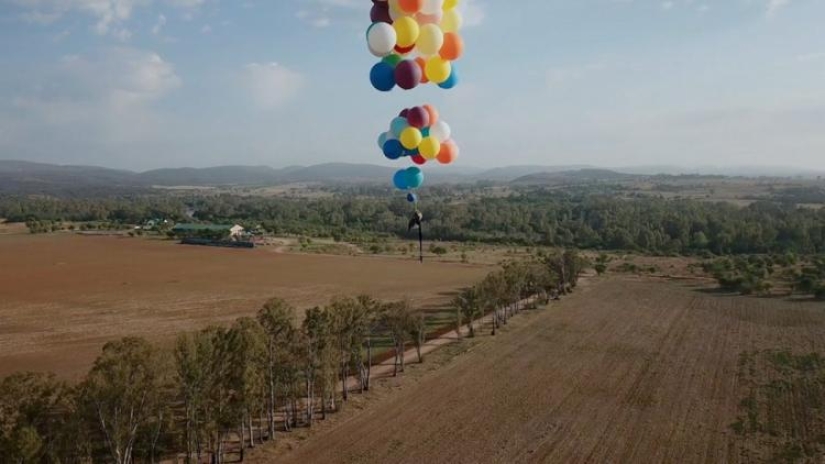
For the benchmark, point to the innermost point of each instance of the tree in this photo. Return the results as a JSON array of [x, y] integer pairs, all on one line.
[[395, 318], [276, 317], [248, 375], [317, 339], [418, 331], [369, 325], [469, 307], [35, 412], [123, 394], [493, 291], [343, 314], [192, 357]]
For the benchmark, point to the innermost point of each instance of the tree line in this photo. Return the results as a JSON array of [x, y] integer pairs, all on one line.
[[222, 390], [529, 216]]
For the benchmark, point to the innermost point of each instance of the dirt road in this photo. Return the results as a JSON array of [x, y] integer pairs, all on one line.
[[624, 371]]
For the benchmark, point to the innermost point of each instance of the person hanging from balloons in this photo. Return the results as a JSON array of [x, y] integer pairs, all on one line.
[[417, 42]]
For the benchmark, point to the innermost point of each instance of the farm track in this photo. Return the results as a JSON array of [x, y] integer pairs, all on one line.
[[626, 370]]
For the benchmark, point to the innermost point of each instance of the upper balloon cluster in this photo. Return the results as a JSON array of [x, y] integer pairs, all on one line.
[[417, 41]]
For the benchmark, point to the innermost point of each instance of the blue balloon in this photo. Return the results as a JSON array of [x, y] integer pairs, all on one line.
[[415, 178], [425, 132], [412, 152], [382, 139], [398, 125], [400, 180], [382, 76], [412, 198], [393, 149], [451, 81]]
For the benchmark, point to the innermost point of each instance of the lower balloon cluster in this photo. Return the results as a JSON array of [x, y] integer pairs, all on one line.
[[419, 134]]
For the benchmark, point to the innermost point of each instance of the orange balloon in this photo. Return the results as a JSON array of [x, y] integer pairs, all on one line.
[[448, 153], [432, 112], [421, 64], [453, 47], [411, 6]]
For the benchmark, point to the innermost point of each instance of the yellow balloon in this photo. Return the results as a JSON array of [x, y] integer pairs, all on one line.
[[438, 69], [452, 21], [448, 4], [410, 138], [430, 40], [406, 28], [429, 148]]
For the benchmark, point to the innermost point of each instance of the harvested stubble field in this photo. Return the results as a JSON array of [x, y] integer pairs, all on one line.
[[63, 296], [627, 370]]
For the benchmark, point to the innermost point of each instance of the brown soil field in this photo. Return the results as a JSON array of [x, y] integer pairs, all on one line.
[[63, 296], [626, 370]]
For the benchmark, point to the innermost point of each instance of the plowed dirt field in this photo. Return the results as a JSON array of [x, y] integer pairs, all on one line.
[[624, 371], [63, 296]]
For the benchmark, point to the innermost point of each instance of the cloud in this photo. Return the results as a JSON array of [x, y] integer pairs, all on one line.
[[101, 104], [563, 75], [111, 16], [775, 5], [808, 57], [271, 85], [474, 13], [159, 25]]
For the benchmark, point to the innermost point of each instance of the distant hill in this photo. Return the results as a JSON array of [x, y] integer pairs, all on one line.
[[39, 178], [576, 176], [23, 177], [338, 172], [206, 177], [510, 173]]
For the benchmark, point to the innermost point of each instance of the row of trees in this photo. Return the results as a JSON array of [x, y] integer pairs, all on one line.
[[224, 389], [530, 216]]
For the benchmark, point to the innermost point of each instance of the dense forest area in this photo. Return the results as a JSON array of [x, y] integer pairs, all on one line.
[[526, 217]]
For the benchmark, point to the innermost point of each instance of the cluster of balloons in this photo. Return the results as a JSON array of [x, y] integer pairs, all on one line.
[[420, 134], [417, 41]]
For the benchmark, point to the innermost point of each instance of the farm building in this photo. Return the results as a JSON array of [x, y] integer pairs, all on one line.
[[215, 231]]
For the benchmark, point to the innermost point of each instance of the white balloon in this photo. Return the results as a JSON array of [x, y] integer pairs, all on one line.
[[432, 7], [441, 130], [381, 39]]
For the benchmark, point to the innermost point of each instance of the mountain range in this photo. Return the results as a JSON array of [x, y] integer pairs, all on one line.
[[28, 177]]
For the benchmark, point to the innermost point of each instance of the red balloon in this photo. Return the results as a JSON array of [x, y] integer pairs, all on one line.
[[407, 74], [418, 117], [418, 159], [404, 50]]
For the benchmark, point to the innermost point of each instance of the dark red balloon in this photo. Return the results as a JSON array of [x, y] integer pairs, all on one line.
[[404, 113], [404, 50], [418, 159], [418, 117], [380, 13], [407, 74]]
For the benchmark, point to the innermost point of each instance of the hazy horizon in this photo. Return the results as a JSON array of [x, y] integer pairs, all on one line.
[[143, 84]]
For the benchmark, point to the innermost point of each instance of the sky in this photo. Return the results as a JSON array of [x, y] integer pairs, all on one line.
[[142, 84]]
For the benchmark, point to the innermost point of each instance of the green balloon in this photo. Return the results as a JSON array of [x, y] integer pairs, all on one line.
[[392, 59]]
